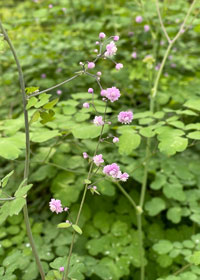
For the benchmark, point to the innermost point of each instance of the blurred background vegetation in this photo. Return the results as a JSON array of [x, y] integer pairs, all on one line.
[[51, 38]]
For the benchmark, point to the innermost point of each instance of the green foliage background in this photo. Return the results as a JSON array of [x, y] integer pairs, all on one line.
[[53, 42]]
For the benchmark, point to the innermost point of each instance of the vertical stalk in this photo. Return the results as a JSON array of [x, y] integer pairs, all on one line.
[[65, 275], [148, 148], [27, 152]]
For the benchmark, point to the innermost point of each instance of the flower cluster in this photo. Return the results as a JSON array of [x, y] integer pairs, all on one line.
[[112, 93], [98, 159], [56, 206], [113, 170], [98, 121], [125, 117], [111, 49]]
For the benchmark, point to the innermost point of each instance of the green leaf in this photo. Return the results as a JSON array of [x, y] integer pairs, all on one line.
[[77, 229], [35, 117], [30, 90], [155, 206], [8, 150], [58, 262], [193, 104], [5, 179], [64, 225], [159, 181], [174, 191], [86, 181], [4, 211], [51, 104], [164, 261], [128, 142], [83, 95], [147, 132], [194, 135], [23, 190], [163, 247], [31, 102], [87, 131], [16, 205], [195, 258], [174, 214], [47, 116], [44, 98], [173, 144], [44, 135]]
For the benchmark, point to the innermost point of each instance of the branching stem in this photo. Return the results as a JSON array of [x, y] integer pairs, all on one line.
[[148, 148], [27, 152]]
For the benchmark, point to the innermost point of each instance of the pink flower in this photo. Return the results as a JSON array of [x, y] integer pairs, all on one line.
[[96, 51], [124, 177], [173, 65], [157, 67], [146, 28], [119, 66], [116, 38], [111, 49], [86, 105], [125, 117], [134, 55], [102, 35], [91, 65], [85, 155], [94, 187], [98, 120], [90, 90], [50, 6], [99, 73], [112, 94], [55, 206], [115, 140], [61, 268], [103, 92], [97, 43], [98, 159], [111, 170], [139, 19], [43, 76], [66, 209], [59, 92]]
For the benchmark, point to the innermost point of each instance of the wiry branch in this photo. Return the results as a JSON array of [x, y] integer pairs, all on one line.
[[161, 22]]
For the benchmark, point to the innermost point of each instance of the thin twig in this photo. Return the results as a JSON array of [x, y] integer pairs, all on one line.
[[58, 85], [27, 152], [182, 269], [161, 22]]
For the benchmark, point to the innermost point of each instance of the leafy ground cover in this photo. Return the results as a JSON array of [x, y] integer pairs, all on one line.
[[51, 38]]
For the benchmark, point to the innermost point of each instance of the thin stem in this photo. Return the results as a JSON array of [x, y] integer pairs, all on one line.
[[161, 22], [7, 198], [58, 166], [155, 88], [130, 199], [146, 165], [58, 85], [182, 269], [65, 276], [27, 152], [184, 22], [171, 43], [148, 148], [140, 237]]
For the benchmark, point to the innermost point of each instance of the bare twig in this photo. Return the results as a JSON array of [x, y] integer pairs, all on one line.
[[161, 22]]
